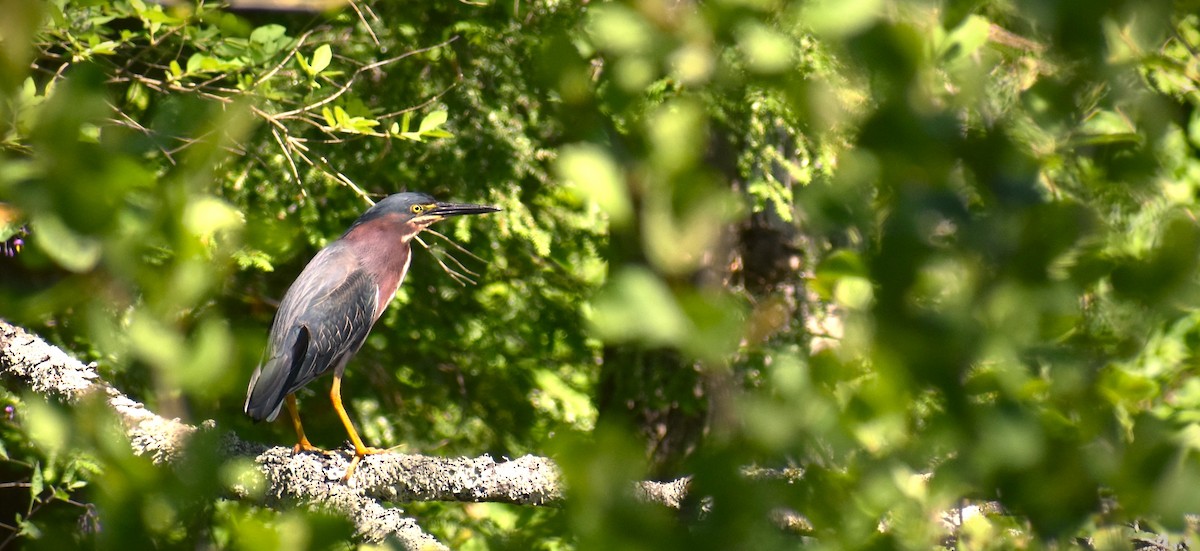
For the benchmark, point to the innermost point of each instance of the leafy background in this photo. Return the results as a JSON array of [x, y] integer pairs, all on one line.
[[926, 251]]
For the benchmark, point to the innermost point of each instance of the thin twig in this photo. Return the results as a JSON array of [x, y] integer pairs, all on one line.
[[456, 245], [459, 278], [129, 122], [287, 155], [346, 86], [366, 24], [421, 105], [326, 168], [288, 57], [460, 265]]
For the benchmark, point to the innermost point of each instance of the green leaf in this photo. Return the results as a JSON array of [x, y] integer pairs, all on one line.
[[258, 260], [966, 39], [716, 324], [362, 124], [836, 267], [28, 529], [37, 483], [321, 58], [764, 49], [838, 18], [304, 64], [268, 33], [157, 18], [432, 121], [204, 216], [637, 306], [594, 175], [195, 62], [108, 47], [137, 96], [77, 253], [268, 40], [28, 89]]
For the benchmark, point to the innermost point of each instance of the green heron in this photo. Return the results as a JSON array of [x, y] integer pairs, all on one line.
[[327, 313]]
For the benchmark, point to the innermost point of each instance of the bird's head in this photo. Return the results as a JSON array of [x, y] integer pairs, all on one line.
[[416, 211]]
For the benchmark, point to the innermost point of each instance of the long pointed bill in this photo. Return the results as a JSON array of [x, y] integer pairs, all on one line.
[[441, 211], [459, 209]]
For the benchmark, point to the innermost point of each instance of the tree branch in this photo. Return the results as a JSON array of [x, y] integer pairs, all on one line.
[[312, 479], [308, 479]]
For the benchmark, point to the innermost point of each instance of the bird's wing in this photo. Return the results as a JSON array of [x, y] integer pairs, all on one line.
[[323, 320]]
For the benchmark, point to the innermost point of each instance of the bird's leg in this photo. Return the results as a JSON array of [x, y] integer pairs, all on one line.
[[303, 445], [360, 450]]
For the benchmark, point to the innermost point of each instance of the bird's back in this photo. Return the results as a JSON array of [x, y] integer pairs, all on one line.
[[323, 320]]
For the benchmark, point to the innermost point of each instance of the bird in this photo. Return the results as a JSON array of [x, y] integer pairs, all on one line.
[[327, 313]]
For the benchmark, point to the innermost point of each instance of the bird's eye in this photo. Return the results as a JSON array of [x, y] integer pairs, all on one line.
[[416, 209]]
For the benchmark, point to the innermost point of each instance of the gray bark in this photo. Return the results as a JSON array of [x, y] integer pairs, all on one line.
[[315, 480], [311, 479]]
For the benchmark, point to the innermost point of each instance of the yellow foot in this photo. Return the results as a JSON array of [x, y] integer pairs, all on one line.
[[304, 446], [358, 455]]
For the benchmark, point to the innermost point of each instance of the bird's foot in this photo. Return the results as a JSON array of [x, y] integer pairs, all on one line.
[[359, 453], [305, 446]]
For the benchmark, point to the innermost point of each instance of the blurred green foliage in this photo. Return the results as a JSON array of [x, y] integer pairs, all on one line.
[[928, 251]]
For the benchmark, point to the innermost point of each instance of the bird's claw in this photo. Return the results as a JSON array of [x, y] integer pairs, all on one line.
[[306, 447], [360, 453]]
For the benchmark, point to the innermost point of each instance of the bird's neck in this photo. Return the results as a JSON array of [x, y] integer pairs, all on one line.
[[383, 251]]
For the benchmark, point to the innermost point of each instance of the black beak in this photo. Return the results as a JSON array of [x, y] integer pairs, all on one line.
[[459, 209]]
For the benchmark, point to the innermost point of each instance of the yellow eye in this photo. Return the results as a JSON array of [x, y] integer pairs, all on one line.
[[416, 209]]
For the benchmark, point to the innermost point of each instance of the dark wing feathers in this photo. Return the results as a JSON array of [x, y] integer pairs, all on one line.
[[323, 320]]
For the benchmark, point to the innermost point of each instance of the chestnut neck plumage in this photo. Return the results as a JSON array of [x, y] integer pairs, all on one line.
[[382, 248]]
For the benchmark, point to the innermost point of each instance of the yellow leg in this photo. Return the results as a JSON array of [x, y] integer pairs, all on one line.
[[303, 444], [360, 450]]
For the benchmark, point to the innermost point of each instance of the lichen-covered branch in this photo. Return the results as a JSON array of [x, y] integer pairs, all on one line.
[[300, 478], [670, 493], [312, 479], [528, 480], [315, 480]]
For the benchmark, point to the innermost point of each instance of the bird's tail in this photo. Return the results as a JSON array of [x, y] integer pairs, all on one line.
[[269, 384], [259, 403]]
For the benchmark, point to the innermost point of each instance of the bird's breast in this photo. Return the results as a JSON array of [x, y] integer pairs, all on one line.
[[389, 280], [383, 252]]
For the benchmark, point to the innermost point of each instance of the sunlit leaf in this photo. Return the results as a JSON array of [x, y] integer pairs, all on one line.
[[206, 216], [321, 58], [966, 39], [37, 483], [268, 33], [636, 305], [432, 121], [836, 18], [70, 250], [765, 50], [595, 176]]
